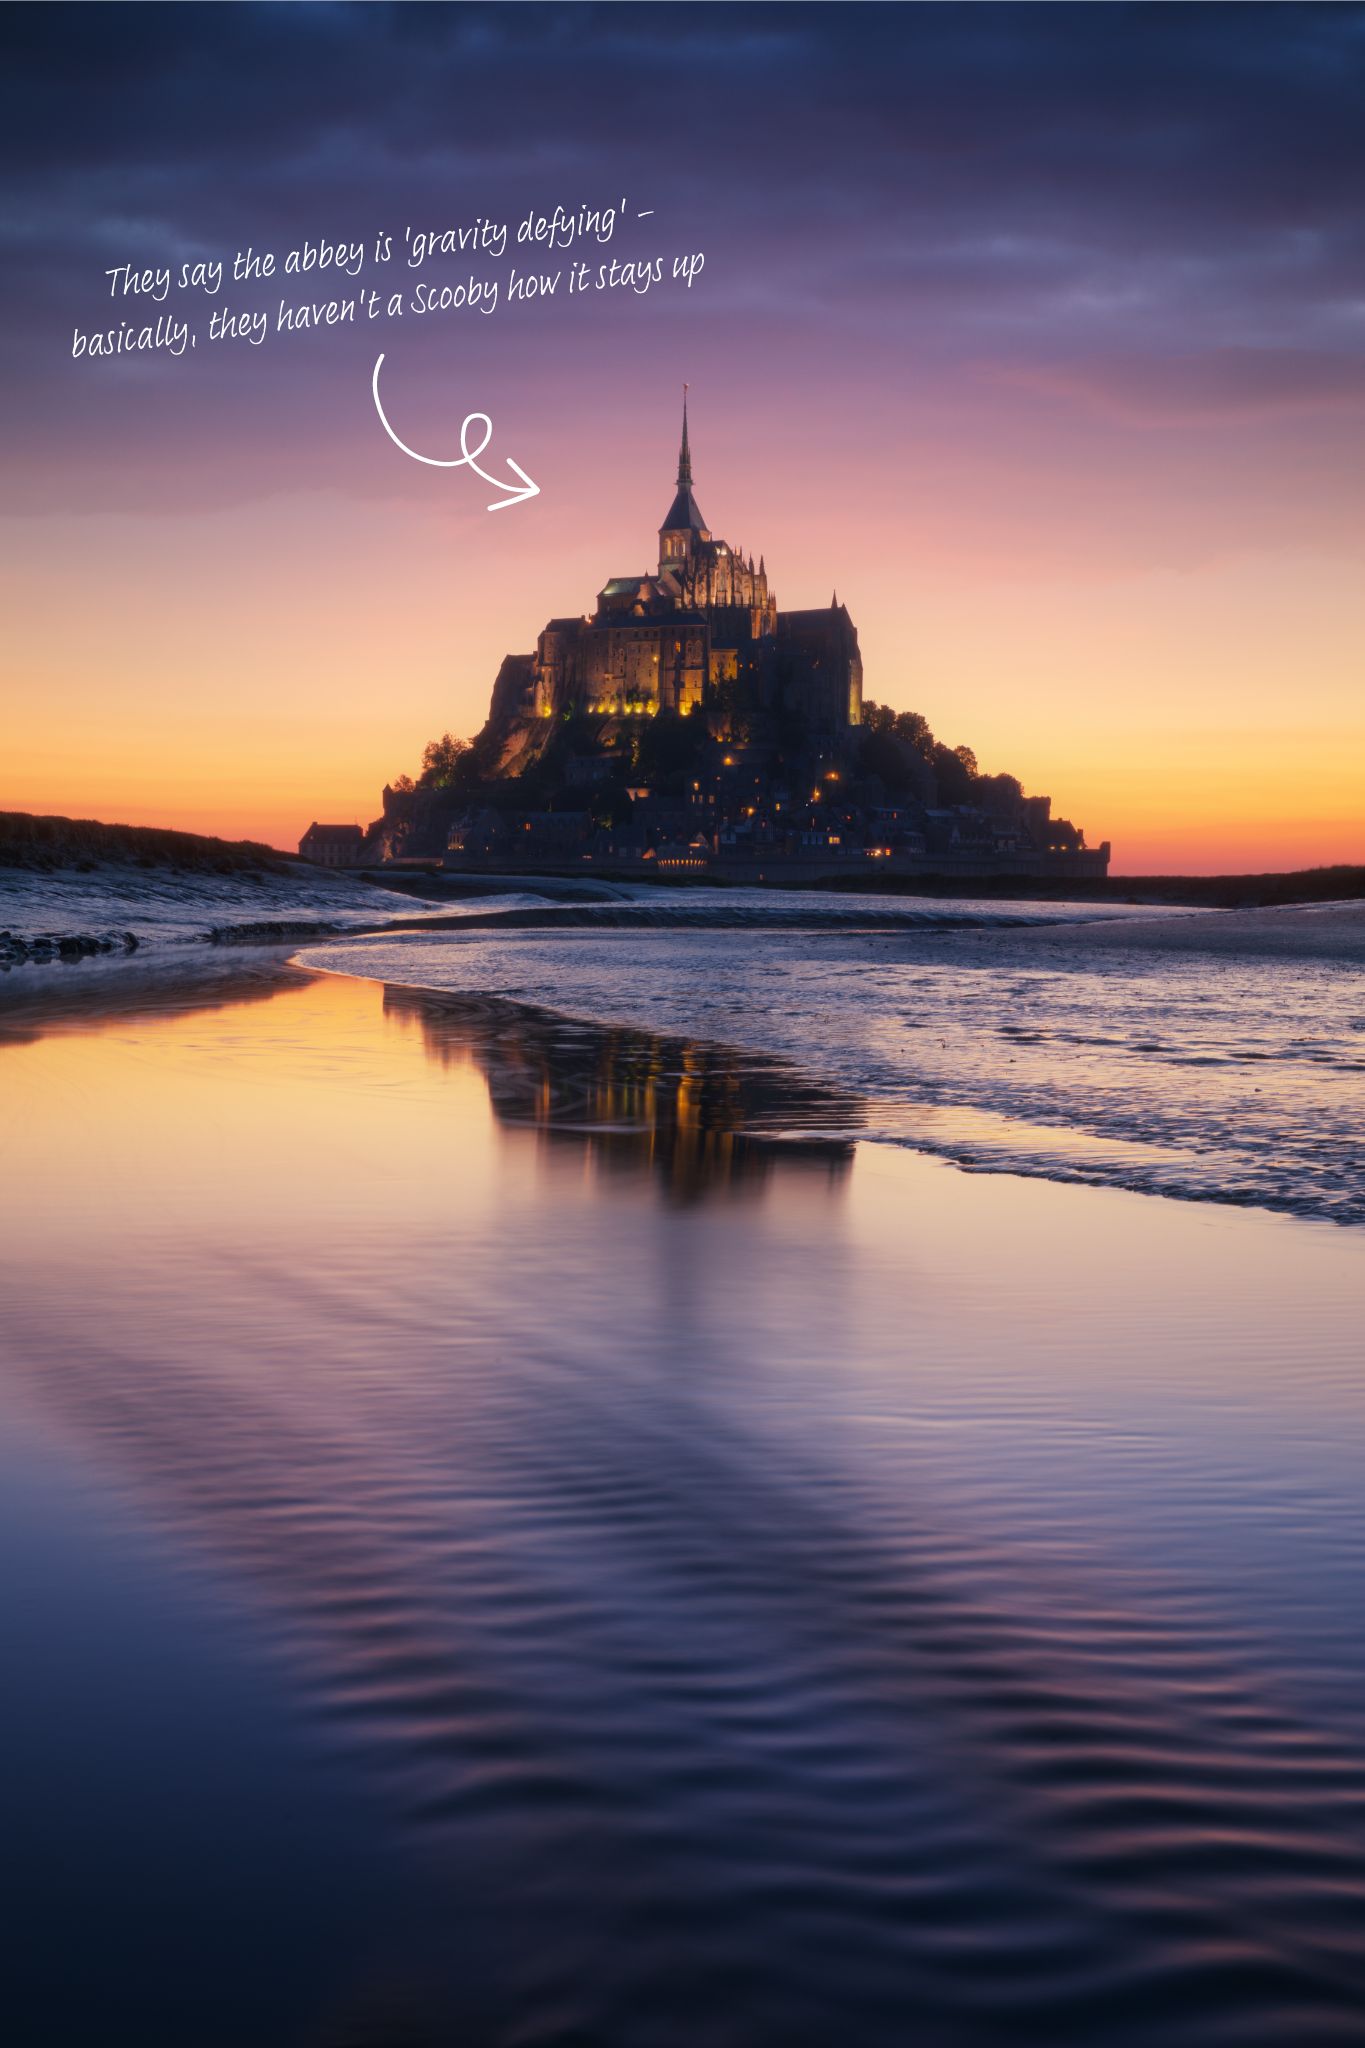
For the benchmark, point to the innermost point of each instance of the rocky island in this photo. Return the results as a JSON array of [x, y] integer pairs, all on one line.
[[689, 726]]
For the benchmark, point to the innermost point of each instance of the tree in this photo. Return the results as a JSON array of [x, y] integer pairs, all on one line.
[[402, 785], [730, 720], [913, 728], [668, 751], [882, 755], [953, 775], [1001, 797], [968, 760], [610, 807], [440, 761]]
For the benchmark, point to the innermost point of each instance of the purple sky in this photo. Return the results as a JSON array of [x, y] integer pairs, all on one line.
[[1001, 307]]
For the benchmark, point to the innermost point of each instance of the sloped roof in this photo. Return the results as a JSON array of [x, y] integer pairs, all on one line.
[[684, 512]]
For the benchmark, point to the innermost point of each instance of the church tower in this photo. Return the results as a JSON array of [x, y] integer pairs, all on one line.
[[684, 527]]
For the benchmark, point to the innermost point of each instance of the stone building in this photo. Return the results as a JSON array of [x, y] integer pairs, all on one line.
[[332, 846], [701, 632]]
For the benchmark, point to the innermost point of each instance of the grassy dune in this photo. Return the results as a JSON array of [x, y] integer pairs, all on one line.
[[47, 843]]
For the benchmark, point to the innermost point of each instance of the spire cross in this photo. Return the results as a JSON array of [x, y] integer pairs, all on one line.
[[684, 453]]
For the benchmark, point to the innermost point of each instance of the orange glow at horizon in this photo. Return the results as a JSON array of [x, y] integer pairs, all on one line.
[[1038, 339], [245, 670]]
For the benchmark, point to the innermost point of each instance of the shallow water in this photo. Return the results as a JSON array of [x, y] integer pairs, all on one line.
[[519, 1532], [967, 1030], [165, 907]]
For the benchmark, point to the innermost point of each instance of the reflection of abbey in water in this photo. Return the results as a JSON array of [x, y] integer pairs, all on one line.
[[697, 1117], [674, 640]]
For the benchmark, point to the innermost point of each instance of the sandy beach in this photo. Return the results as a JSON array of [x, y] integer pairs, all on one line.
[[1311, 931], [456, 1449], [682, 1026]]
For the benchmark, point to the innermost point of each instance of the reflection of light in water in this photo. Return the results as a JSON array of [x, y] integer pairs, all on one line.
[[909, 1600], [700, 1116], [1210, 1077]]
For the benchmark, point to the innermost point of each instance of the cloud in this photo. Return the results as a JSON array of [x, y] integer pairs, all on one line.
[[1155, 211], [1229, 384]]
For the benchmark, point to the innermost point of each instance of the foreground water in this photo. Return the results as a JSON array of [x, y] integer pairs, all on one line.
[[1032, 1038], [505, 1543]]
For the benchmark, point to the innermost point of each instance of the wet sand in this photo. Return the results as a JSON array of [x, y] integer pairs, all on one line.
[[1334, 931], [507, 1543]]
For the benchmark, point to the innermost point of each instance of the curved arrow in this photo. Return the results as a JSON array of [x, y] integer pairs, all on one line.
[[467, 456]]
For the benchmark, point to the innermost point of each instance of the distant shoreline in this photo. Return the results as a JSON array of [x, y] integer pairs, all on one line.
[[1341, 884], [54, 845]]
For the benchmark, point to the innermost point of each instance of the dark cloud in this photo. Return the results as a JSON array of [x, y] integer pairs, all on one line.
[[1115, 198]]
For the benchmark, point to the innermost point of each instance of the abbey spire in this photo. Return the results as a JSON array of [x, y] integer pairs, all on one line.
[[704, 634], [684, 527]]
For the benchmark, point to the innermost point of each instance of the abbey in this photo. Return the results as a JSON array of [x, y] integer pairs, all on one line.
[[688, 726], [701, 633]]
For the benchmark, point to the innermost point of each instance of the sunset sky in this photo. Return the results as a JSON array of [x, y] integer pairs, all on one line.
[[1040, 334]]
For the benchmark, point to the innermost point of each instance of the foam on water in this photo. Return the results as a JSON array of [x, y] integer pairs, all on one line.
[[965, 1031], [163, 906]]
